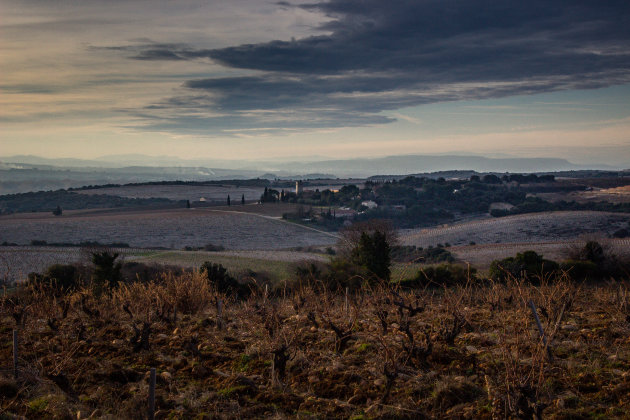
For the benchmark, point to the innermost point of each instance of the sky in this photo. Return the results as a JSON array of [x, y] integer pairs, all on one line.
[[256, 79]]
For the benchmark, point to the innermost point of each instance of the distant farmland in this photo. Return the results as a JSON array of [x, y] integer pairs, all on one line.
[[531, 227], [17, 262], [175, 228], [209, 193], [481, 256]]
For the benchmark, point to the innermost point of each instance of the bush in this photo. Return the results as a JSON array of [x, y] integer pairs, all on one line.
[[343, 273], [527, 265], [598, 255], [499, 212], [364, 251], [431, 255], [309, 271], [134, 271], [222, 281], [593, 251], [442, 275], [213, 248], [436, 255], [58, 278], [107, 272], [580, 270]]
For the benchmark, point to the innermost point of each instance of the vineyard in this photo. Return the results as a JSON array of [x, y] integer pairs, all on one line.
[[174, 228], [482, 255], [307, 352], [534, 227]]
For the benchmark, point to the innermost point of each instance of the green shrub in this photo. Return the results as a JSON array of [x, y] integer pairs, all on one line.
[[308, 271], [593, 251], [222, 281], [213, 248], [107, 272], [527, 265], [38, 405], [580, 270], [58, 278], [607, 265], [442, 275], [430, 255]]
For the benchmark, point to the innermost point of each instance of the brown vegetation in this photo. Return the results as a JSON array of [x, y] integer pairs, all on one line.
[[306, 352]]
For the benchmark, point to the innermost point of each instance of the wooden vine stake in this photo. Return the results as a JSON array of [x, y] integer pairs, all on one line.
[[220, 324], [15, 354], [273, 373], [540, 330], [151, 412]]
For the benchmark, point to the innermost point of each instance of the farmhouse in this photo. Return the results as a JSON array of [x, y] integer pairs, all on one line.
[[369, 204]]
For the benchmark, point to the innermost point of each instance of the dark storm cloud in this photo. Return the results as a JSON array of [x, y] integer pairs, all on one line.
[[452, 40], [386, 55], [149, 51]]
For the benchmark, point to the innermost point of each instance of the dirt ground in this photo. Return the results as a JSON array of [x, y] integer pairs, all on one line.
[[461, 353]]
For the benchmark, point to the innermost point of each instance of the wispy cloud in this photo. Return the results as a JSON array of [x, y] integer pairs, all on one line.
[[382, 56], [158, 73]]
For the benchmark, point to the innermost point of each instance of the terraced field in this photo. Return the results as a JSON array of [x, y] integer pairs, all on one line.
[[533, 227]]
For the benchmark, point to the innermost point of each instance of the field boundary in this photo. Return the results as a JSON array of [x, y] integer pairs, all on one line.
[[278, 219]]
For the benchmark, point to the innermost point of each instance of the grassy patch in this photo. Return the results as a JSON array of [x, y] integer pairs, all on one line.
[[236, 265], [38, 405]]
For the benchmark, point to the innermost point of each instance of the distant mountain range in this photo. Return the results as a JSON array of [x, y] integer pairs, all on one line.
[[359, 167], [400, 165], [31, 173], [126, 160]]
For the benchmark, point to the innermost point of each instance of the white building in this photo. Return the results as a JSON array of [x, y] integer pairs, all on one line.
[[369, 204]]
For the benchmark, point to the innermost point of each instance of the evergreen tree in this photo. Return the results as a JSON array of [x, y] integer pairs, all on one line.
[[107, 273], [373, 253]]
